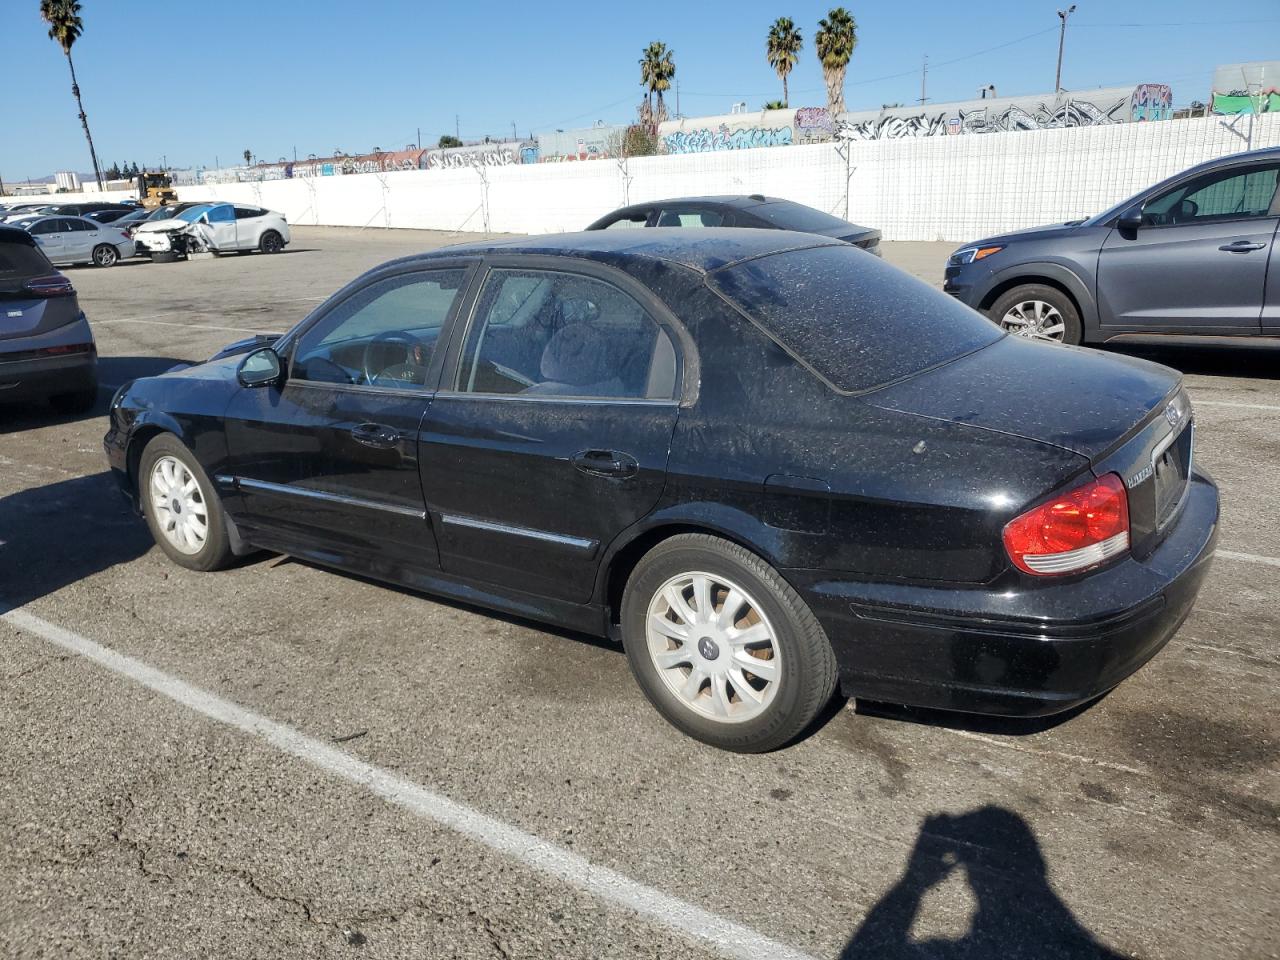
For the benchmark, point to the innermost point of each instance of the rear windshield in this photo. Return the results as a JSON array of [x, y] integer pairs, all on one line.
[[850, 317], [796, 216], [19, 262]]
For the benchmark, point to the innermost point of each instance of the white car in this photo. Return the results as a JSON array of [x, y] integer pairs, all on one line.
[[67, 240], [221, 227]]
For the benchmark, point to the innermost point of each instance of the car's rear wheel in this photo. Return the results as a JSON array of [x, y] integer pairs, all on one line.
[[723, 647], [1038, 312], [181, 507], [105, 255], [271, 242]]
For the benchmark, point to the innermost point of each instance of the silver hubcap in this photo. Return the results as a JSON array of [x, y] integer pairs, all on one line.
[[1035, 319], [178, 505], [106, 257], [713, 647]]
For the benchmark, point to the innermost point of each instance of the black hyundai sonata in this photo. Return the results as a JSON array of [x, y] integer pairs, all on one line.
[[766, 462]]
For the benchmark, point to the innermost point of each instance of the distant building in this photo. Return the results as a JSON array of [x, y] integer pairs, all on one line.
[[67, 181], [1246, 88]]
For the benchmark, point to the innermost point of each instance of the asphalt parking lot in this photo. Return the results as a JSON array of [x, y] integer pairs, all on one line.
[[280, 761]]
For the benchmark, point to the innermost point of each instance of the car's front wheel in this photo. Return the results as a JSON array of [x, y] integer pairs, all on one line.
[[105, 255], [1038, 312], [723, 647], [181, 507]]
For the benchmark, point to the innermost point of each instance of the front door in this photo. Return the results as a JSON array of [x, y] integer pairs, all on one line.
[[50, 237], [219, 225], [79, 238], [329, 459], [1198, 264], [553, 435]]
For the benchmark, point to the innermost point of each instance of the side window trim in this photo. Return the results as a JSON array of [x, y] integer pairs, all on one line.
[[289, 347], [687, 361]]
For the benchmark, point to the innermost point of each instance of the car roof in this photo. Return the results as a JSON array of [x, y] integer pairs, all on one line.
[[702, 249], [15, 235], [736, 200]]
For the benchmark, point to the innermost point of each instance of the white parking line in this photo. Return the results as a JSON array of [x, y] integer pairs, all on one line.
[[1227, 403], [730, 938], [1250, 557], [188, 326]]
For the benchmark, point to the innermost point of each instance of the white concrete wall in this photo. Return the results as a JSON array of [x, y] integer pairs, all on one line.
[[953, 188]]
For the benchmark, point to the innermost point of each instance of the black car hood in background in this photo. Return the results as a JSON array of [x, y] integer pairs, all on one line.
[[1072, 397]]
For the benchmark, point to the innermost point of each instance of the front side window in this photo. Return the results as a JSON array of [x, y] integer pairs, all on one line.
[[549, 334], [690, 218], [1227, 195], [222, 214], [41, 227], [381, 336], [628, 222]]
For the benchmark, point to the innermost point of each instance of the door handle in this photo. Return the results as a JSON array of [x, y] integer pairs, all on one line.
[[375, 435], [607, 463], [1241, 246]]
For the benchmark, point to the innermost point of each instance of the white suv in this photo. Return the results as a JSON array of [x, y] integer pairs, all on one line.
[[221, 227]]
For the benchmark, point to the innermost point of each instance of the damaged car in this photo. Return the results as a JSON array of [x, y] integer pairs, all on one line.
[[215, 228], [768, 465]]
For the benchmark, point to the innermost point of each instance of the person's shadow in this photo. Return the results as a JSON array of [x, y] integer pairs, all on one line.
[[1018, 914]]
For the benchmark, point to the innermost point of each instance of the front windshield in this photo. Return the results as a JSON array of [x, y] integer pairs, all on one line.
[[192, 214]]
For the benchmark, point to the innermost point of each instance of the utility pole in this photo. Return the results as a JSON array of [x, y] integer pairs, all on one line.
[[678, 114], [924, 77], [1062, 38], [514, 135], [457, 127], [419, 138]]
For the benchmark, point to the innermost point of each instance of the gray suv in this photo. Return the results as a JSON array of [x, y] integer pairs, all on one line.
[[1188, 256], [46, 347]]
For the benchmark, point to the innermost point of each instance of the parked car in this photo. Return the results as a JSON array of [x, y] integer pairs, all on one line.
[[25, 211], [139, 215], [71, 240], [1188, 256], [764, 461], [222, 227], [46, 346], [113, 215], [84, 209], [756, 210]]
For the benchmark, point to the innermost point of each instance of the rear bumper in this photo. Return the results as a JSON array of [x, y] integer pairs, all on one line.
[[1016, 651], [26, 374]]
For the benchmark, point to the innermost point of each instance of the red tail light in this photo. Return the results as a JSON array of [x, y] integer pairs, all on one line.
[[54, 285], [1075, 531]]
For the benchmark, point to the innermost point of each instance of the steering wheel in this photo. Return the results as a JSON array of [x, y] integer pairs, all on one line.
[[411, 371]]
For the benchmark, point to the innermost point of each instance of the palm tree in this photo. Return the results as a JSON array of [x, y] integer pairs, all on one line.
[[65, 27], [657, 68], [248, 157], [783, 49], [835, 41]]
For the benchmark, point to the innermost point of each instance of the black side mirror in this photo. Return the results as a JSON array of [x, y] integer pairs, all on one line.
[[1131, 219], [260, 368]]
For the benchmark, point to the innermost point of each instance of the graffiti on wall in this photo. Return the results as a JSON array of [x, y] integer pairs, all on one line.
[[1148, 101], [480, 155], [813, 125], [707, 140]]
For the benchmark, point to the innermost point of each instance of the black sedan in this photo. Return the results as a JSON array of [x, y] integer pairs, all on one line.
[[766, 463], [755, 211]]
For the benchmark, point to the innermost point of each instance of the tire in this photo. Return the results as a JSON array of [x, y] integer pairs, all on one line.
[[82, 401], [779, 705], [1038, 312], [166, 464], [271, 242], [105, 255]]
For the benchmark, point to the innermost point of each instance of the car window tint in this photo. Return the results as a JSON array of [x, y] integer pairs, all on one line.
[[247, 213], [382, 335], [78, 226], [853, 319], [221, 214], [551, 334], [44, 226], [1225, 195], [688, 218], [20, 262], [786, 215]]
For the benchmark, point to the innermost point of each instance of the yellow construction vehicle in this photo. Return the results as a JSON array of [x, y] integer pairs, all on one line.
[[156, 189]]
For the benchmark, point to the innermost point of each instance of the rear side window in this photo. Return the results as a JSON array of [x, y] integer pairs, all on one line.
[[854, 320], [691, 218], [248, 213]]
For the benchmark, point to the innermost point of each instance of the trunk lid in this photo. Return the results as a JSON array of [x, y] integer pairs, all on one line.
[[1128, 416]]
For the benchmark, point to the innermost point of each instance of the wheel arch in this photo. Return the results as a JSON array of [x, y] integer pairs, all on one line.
[[1049, 275], [146, 429], [731, 525]]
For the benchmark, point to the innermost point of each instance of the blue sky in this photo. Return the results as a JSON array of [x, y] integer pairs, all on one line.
[[315, 75]]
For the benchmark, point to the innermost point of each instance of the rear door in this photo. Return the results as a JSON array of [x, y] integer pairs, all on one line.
[[248, 226], [1198, 264], [78, 239], [329, 460], [553, 433]]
